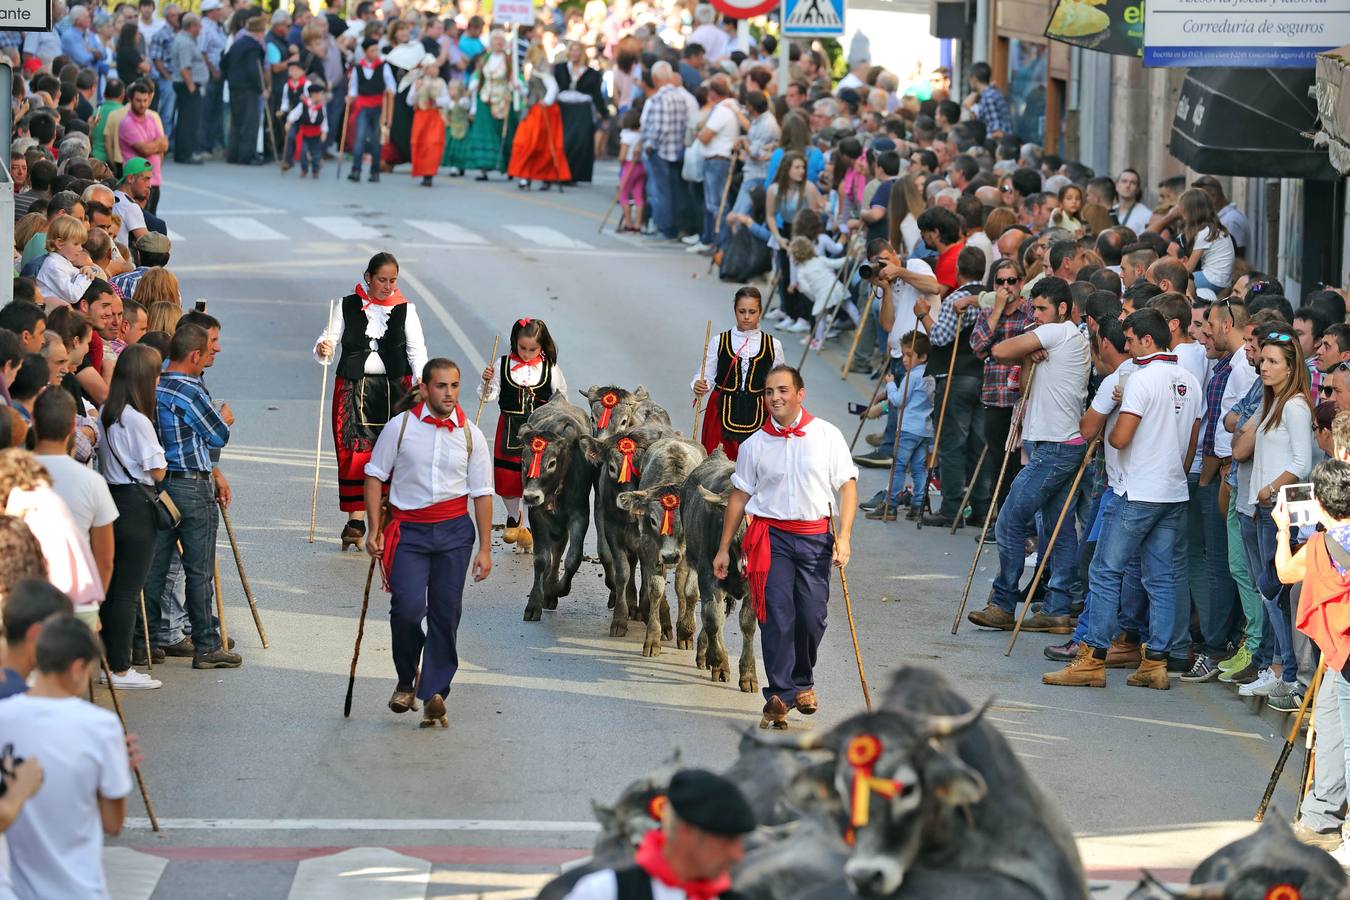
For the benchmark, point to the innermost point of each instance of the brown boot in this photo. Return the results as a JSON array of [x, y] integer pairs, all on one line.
[[1152, 673], [402, 700], [433, 713], [806, 703], [1039, 621], [992, 617], [1085, 671], [1122, 654], [775, 714]]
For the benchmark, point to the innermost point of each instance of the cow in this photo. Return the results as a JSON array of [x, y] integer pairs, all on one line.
[[943, 808], [1257, 866], [614, 409], [656, 505], [618, 459], [557, 481], [703, 505]]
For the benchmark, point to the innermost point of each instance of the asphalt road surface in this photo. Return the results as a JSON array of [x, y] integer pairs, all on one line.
[[265, 791]]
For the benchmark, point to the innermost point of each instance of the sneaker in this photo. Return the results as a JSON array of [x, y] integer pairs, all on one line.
[[1326, 840], [890, 515], [1261, 687], [132, 680], [690, 239], [874, 502], [1282, 689], [1238, 661], [1286, 703], [877, 459], [217, 659], [696, 247], [800, 326], [1205, 669], [1242, 676]]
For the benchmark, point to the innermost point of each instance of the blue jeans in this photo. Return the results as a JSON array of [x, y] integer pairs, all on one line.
[[1338, 684], [1149, 530], [1264, 653], [196, 500], [743, 204], [661, 177], [311, 153], [367, 139], [1212, 593], [165, 104], [715, 173], [1041, 487], [1133, 617], [1275, 596], [912, 459]]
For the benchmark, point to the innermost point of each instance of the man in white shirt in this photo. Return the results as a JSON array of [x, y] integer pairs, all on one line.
[[435, 460], [1054, 447], [1156, 433], [57, 841], [718, 138], [787, 476]]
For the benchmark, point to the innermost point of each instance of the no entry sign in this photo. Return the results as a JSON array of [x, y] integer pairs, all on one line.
[[744, 9]]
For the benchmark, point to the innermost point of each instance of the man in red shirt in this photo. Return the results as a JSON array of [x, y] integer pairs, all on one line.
[[941, 231]]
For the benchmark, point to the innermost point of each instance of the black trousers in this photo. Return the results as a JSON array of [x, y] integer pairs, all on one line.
[[242, 144], [187, 132], [997, 421], [134, 534]]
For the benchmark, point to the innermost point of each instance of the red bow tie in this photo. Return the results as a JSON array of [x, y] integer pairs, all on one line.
[[797, 430], [447, 423]]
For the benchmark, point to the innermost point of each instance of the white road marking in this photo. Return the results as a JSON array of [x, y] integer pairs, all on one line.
[[244, 228], [363, 872], [448, 232], [131, 874], [488, 825], [547, 237], [175, 236], [345, 227]]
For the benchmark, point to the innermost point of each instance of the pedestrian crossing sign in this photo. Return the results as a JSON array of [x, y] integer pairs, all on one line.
[[814, 18]]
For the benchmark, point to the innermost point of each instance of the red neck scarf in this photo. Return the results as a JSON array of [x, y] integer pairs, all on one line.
[[651, 858], [798, 430], [420, 413], [517, 363], [396, 298], [370, 65]]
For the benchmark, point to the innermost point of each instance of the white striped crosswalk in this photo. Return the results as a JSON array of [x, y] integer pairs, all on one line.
[[245, 228], [345, 227], [448, 232], [436, 232], [547, 237]]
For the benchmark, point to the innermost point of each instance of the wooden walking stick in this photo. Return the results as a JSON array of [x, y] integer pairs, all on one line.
[[698, 401], [1014, 426], [492, 359], [970, 489], [852, 630], [220, 611], [342, 141], [135, 769], [1050, 544], [942, 416], [318, 440], [876, 392], [605, 221], [1289, 743], [243, 579], [145, 624], [857, 336], [721, 206], [360, 633]]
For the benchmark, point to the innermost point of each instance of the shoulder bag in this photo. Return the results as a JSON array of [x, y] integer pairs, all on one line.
[[167, 515]]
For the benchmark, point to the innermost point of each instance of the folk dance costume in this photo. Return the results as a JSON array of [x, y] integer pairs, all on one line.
[[378, 346], [791, 475], [456, 133], [293, 91], [537, 151], [493, 116], [307, 123], [737, 366], [370, 80], [429, 98], [434, 468]]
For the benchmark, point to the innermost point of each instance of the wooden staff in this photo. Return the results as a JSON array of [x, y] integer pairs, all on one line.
[[145, 625], [342, 140], [243, 578], [857, 335], [1013, 427], [852, 630], [1289, 743], [831, 311], [135, 769], [721, 206], [1050, 544], [360, 633], [862, 419], [970, 489], [698, 401], [942, 415], [220, 611], [605, 221], [492, 359], [318, 440]]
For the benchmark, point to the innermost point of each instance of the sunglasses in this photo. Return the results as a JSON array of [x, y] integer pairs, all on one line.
[[1277, 336], [1007, 281], [1007, 189]]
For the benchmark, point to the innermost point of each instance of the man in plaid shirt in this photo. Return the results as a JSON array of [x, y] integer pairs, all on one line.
[[987, 103], [1008, 317], [664, 120], [160, 52], [189, 428]]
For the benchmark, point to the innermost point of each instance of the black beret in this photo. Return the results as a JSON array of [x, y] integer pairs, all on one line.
[[710, 802]]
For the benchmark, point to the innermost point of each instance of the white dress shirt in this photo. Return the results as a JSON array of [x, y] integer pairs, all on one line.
[[794, 478], [745, 344], [431, 465], [377, 323], [528, 375]]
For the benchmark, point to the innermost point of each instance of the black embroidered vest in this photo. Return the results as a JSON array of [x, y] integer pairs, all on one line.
[[741, 406], [355, 346]]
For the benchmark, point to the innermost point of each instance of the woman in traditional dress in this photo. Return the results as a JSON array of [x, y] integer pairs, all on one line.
[[489, 135], [380, 350], [404, 56], [581, 101], [733, 375], [429, 98], [537, 151], [457, 128]]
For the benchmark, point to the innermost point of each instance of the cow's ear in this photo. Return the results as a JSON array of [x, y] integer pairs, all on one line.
[[812, 789], [591, 393], [605, 816], [639, 395], [712, 497], [592, 449], [634, 502], [951, 781]]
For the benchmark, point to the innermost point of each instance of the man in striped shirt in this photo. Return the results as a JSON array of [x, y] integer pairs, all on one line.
[[664, 118]]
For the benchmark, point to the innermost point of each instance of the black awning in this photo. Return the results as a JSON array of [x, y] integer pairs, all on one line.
[[1250, 123]]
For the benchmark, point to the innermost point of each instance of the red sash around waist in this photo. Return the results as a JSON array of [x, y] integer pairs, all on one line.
[[366, 101], [436, 512], [755, 549]]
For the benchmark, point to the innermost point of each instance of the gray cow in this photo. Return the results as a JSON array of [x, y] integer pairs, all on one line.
[[557, 489], [627, 409], [704, 503], [656, 504], [619, 460]]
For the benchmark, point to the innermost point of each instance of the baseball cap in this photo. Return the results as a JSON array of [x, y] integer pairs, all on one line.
[[208, 5], [135, 166], [153, 242]]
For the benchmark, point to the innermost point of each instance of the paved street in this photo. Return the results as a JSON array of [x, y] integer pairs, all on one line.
[[264, 789]]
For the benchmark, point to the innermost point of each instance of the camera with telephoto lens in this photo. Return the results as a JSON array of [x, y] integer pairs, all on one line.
[[870, 269], [8, 763]]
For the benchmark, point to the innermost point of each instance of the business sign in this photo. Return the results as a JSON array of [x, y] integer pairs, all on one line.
[[1108, 26], [814, 18], [510, 12], [744, 9], [25, 15], [1258, 34]]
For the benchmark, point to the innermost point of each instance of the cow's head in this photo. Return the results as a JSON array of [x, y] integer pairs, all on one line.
[[719, 500], [614, 409], [893, 775], [638, 810], [1270, 862], [618, 455], [661, 508], [543, 465]]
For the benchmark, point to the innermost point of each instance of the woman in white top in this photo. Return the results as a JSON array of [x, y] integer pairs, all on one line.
[[1278, 440], [132, 461], [1209, 247], [902, 215]]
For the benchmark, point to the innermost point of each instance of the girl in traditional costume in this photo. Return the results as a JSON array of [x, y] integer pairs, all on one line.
[[733, 375], [537, 151], [493, 118], [429, 98]]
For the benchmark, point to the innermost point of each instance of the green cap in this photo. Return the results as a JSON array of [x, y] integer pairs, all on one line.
[[135, 166]]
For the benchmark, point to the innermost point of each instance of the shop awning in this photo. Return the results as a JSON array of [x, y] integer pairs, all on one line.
[[1250, 123], [1333, 106]]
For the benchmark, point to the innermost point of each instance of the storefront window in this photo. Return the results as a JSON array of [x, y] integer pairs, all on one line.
[[1027, 62]]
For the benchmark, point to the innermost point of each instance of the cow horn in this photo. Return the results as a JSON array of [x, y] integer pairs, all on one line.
[[803, 741], [946, 726]]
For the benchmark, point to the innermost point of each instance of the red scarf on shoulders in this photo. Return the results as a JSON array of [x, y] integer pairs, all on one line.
[[651, 858], [396, 298]]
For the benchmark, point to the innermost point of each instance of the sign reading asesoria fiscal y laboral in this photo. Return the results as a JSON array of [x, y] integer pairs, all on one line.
[[25, 15], [1259, 34]]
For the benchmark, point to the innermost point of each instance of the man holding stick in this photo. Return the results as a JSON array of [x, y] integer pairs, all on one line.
[[786, 477], [434, 460], [1155, 434], [1054, 448]]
